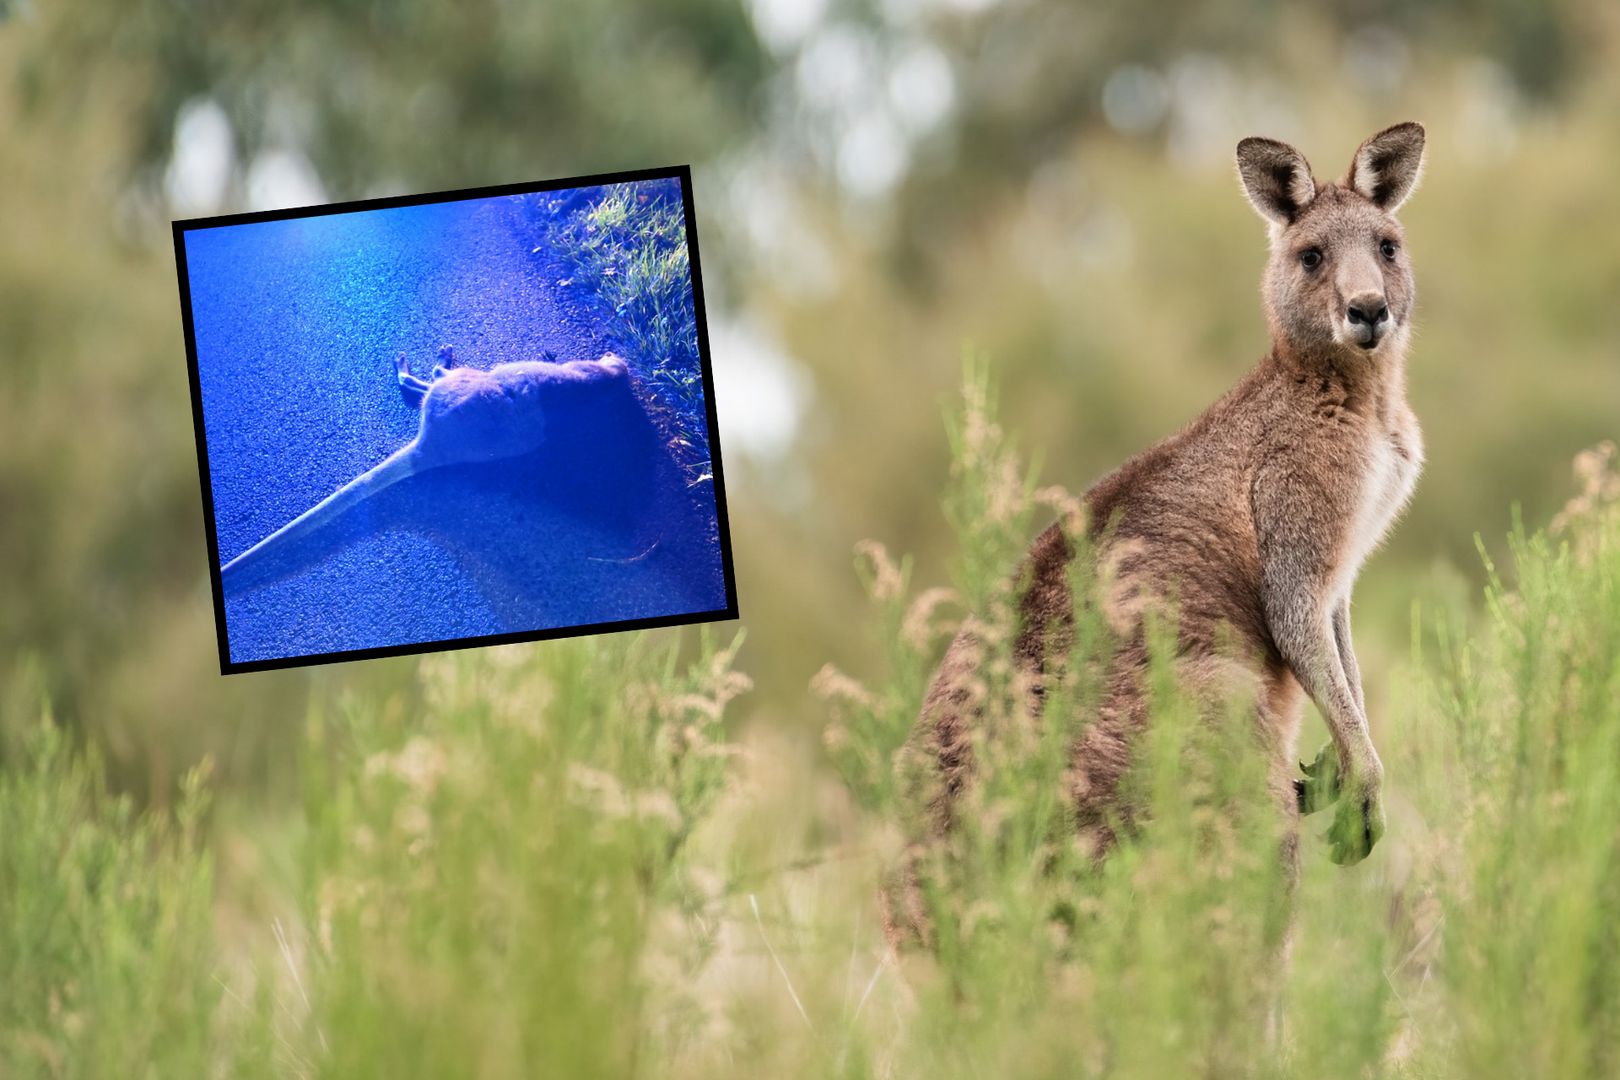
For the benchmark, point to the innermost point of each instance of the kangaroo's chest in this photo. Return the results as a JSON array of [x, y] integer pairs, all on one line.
[[1393, 459]]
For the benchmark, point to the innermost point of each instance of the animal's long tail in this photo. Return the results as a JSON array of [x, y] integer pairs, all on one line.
[[237, 575]]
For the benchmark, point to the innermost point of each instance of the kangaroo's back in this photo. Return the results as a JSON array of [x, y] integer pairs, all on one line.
[[513, 409]]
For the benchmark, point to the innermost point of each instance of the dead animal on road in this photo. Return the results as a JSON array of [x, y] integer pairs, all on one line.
[[471, 416]]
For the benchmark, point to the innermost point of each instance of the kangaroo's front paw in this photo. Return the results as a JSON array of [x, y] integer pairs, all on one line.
[[1320, 785], [1359, 822], [447, 356]]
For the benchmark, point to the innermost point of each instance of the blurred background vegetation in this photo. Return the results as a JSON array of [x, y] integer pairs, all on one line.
[[876, 184]]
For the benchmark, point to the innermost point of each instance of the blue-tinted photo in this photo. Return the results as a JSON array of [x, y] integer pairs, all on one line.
[[476, 419]]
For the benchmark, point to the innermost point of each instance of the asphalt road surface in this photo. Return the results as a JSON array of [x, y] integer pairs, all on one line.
[[297, 325]]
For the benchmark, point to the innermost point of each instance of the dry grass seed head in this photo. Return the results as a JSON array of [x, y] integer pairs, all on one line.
[[1598, 479], [1070, 510], [832, 686], [918, 629], [886, 580]]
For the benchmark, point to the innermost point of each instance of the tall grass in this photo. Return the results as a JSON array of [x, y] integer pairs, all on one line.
[[1034, 942], [495, 885], [625, 247], [105, 931], [484, 878], [533, 866], [1531, 709], [1478, 941]]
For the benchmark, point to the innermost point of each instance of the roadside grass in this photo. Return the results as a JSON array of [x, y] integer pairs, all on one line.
[[557, 859], [624, 245]]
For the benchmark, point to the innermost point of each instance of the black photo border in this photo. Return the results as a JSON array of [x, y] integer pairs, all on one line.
[[683, 173]]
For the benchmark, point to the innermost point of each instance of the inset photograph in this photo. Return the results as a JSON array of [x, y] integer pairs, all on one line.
[[456, 419]]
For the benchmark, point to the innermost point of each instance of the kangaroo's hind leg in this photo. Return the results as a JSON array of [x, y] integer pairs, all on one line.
[[411, 389], [447, 360]]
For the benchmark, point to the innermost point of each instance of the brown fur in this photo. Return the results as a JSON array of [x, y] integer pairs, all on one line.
[[1255, 518]]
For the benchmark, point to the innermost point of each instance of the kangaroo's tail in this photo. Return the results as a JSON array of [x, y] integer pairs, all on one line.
[[238, 575]]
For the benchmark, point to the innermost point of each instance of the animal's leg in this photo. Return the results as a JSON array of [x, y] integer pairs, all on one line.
[[1299, 601], [903, 904], [1104, 752], [1304, 636], [1282, 943], [1278, 717], [1347, 655], [1320, 786], [411, 389], [447, 360]]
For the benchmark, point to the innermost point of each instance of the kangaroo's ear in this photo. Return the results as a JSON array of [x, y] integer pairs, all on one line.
[[1276, 178], [1385, 169]]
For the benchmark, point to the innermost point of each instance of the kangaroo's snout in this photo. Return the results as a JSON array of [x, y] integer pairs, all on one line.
[[1368, 316]]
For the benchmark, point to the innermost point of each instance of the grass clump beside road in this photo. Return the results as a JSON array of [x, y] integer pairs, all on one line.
[[625, 246]]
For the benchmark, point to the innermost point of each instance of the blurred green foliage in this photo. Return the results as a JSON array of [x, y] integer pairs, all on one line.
[[557, 863], [1162, 961], [107, 921], [484, 876], [876, 183], [411, 93], [476, 885], [1109, 270]]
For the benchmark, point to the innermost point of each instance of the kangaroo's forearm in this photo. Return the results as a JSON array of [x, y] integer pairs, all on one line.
[[1347, 653], [1306, 633]]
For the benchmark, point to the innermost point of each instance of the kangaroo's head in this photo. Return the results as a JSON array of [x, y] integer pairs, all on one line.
[[1339, 277]]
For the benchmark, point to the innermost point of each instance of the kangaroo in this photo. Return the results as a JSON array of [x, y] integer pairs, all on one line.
[[1256, 517], [467, 416]]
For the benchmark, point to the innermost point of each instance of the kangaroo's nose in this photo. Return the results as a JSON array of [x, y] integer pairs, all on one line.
[[1369, 310], [1368, 316]]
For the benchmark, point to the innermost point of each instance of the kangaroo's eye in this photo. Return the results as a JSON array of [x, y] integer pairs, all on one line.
[[1310, 258], [1388, 248]]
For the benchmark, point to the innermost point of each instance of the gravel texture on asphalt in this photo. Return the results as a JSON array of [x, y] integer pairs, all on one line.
[[297, 325]]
